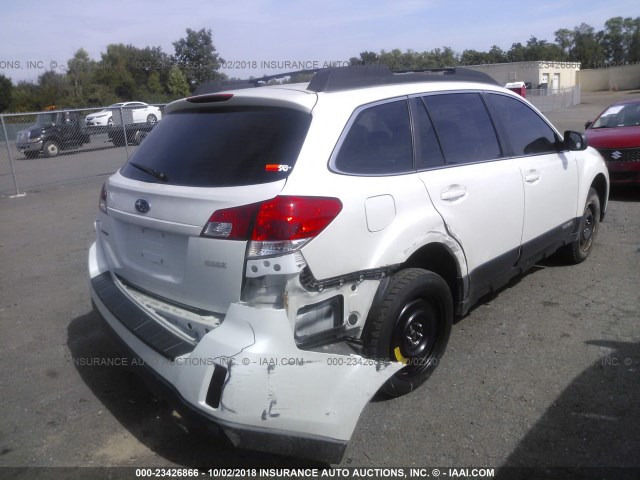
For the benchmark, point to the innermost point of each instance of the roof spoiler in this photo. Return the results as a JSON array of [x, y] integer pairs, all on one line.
[[223, 85]]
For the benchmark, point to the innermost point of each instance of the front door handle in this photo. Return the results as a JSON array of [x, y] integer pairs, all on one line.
[[532, 176], [453, 192]]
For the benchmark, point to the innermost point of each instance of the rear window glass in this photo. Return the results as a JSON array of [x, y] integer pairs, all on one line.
[[378, 142], [221, 147]]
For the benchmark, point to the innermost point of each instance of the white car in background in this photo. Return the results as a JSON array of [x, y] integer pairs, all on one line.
[[141, 112]]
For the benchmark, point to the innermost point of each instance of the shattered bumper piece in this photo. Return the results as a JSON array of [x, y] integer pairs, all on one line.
[[248, 380]]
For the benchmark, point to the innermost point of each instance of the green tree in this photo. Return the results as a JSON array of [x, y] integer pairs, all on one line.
[[614, 40], [366, 58], [564, 40], [150, 62], [588, 48], [633, 54], [25, 97], [409, 60], [80, 72], [497, 55], [156, 91], [54, 89], [536, 50], [177, 83], [474, 57], [197, 58], [117, 73], [445, 57], [6, 92], [517, 53]]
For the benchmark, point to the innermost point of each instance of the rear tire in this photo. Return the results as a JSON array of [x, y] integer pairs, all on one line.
[[51, 149], [152, 119], [579, 250], [138, 136], [412, 325]]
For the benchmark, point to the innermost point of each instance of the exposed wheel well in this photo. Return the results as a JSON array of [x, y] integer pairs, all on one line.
[[437, 258], [600, 185], [55, 140]]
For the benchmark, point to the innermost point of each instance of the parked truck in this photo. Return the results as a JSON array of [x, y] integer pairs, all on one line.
[[53, 131]]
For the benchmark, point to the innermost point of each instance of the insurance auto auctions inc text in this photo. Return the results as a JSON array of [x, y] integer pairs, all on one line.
[[348, 473]]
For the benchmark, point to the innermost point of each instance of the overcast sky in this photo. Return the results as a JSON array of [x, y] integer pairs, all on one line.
[[37, 34]]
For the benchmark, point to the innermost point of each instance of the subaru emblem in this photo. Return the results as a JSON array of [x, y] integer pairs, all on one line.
[[142, 205]]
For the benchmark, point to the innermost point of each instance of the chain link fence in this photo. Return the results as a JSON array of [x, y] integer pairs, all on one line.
[[548, 100], [61, 146]]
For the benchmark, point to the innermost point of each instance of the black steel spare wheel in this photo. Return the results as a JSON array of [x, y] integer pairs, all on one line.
[[410, 325]]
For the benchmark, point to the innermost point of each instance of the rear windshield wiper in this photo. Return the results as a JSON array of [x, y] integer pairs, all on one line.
[[150, 171]]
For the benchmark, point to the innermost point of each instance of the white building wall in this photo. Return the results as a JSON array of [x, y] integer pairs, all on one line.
[[533, 72]]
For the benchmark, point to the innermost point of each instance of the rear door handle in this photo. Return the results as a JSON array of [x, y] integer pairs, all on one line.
[[453, 192], [532, 176]]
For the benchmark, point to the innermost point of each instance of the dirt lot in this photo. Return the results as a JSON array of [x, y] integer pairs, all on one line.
[[545, 373]]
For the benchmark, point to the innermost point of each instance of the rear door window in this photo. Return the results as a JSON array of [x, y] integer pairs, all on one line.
[[221, 147], [429, 154], [463, 126]]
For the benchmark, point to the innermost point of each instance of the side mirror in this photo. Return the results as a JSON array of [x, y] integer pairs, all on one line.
[[574, 141], [587, 124]]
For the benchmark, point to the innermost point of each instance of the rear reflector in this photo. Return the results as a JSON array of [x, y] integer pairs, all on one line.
[[214, 393], [102, 204]]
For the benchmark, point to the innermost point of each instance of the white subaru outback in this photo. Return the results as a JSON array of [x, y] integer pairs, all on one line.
[[276, 255]]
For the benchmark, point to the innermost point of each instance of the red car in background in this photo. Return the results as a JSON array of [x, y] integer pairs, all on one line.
[[616, 135]]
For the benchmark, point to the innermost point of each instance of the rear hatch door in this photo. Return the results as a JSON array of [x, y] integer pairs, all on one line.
[[193, 163]]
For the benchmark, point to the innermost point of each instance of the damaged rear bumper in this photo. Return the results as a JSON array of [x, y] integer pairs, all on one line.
[[246, 379]]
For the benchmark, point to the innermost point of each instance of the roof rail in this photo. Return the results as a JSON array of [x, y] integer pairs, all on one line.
[[345, 78], [222, 85], [358, 76]]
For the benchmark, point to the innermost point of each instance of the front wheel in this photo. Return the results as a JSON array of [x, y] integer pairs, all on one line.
[[580, 249], [151, 119], [411, 325]]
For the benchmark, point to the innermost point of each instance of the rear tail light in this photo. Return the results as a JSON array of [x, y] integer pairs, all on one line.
[[276, 226], [102, 204]]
